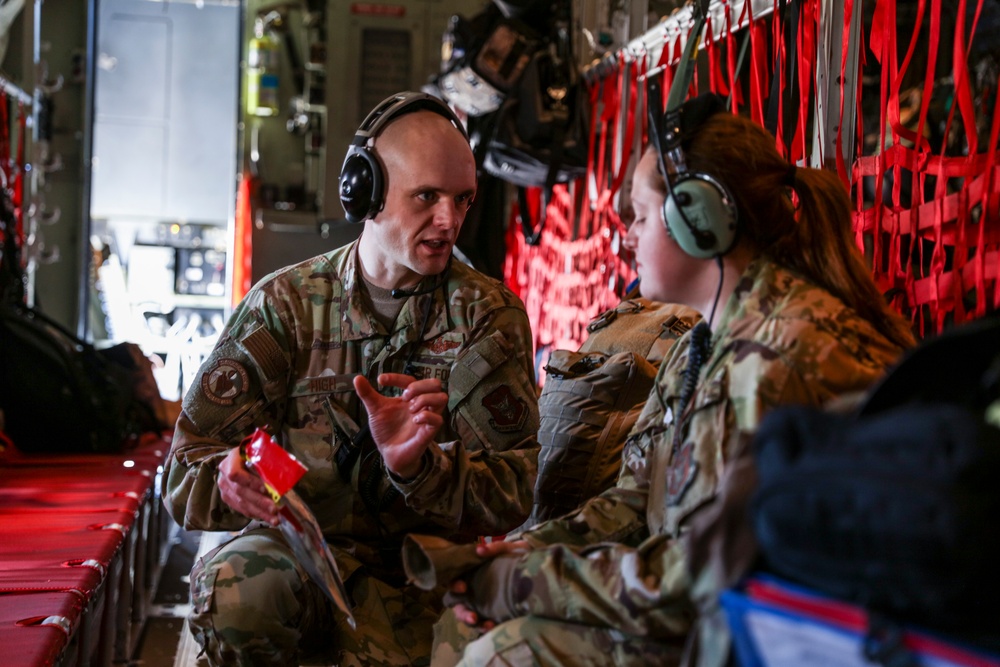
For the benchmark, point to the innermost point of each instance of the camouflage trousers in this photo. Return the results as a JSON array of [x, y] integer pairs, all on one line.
[[531, 641], [253, 605]]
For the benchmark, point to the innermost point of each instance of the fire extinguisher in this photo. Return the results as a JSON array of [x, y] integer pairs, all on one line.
[[262, 67]]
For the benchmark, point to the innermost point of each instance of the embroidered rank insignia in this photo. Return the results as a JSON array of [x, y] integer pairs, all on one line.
[[507, 410], [225, 381], [681, 473]]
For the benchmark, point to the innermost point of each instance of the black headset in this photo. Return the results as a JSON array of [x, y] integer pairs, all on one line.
[[362, 178], [699, 212]]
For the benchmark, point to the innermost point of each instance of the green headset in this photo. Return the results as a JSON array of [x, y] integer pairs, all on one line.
[[362, 177], [699, 211]]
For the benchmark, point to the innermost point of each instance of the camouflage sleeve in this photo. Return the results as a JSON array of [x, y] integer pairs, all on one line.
[[641, 591], [482, 483], [236, 391], [645, 589]]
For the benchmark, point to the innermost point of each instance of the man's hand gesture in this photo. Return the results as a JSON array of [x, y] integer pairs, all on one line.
[[404, 426]]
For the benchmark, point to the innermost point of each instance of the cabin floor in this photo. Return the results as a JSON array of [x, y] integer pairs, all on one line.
[[165, 640]]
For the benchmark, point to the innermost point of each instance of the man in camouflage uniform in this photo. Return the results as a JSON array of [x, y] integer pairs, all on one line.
[[391, 305], [611, 583]]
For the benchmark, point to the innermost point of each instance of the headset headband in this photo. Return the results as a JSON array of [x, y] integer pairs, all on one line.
[[393, 107], [362, 176]]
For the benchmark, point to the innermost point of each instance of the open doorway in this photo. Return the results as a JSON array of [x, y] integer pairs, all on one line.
[[163, 179]]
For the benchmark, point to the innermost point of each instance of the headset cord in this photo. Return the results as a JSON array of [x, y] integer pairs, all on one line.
[[698, 353]]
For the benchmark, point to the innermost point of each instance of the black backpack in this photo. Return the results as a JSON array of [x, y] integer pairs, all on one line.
[[541, 133], [896, 506], [60, 394]]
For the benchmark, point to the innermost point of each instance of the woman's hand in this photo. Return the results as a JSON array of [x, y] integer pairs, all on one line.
[[462, 594]]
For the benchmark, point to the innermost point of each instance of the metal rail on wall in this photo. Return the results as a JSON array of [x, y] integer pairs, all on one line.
[[11, 89], [829, 57]]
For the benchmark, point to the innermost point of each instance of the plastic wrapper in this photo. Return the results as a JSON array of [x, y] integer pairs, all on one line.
[[280, 471]]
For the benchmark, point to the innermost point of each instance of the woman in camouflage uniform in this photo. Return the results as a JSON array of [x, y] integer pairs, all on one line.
[[388, 308], [799, 320]]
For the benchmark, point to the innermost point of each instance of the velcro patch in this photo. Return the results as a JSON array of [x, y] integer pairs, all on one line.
[[224, 382], [508, 412]]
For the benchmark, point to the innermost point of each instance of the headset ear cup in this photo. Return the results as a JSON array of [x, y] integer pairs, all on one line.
[[708, 209], [360, 186]]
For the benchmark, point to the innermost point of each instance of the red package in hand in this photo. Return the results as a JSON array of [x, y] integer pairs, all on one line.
[[277, 468]]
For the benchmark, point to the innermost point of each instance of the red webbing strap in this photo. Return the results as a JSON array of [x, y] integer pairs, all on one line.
[[845, 44], [883, 45], [960, 254], [609, 113], [959, 260], [18, 197], [590, 178], [670, 55], [937, 259], [643, 71], [567, 280], [988, 211], [921, 221], [609, 96], [716, 79], [960, 69], [805, 71], [775, 120], [628, 98], [897, 74], [758, 67], [731, 54], [513, 267], [5, 153]]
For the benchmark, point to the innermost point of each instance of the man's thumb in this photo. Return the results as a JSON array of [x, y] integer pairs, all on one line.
[[366, 392]]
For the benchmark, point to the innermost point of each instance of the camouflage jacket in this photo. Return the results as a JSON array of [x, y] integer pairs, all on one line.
[[617, 560], [286, 362]]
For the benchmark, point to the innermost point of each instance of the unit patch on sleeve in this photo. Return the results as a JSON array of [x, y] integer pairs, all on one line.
[[507, 410], [225, 381]]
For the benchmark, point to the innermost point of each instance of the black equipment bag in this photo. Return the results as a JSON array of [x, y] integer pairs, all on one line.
[[541, 135], [60, 394], [486, 56], [895, 507], [542, 131]]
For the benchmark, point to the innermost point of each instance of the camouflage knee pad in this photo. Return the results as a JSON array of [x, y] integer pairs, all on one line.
[[250, 602]]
